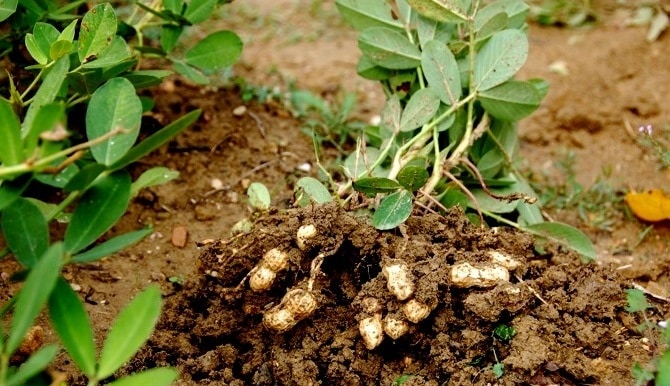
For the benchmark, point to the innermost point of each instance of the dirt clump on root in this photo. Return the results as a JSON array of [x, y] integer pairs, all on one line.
[[569, 318]]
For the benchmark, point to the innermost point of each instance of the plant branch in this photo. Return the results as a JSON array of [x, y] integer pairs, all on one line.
[[29, 166]]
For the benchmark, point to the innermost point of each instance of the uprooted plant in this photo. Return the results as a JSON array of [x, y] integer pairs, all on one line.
[[448, 132], [89, 62]]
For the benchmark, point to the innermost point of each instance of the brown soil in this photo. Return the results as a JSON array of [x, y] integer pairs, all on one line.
[[569, 317]]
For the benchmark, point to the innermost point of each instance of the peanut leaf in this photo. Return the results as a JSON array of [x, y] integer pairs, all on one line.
[[98, 209], [33, 295], [11, 148], [389, 49], [441, 71], [511, 101], [130, 331], [566, 236], [69, 319], [420, 108], [310, 190], [25, 230], [215, 52], [393, 210], [98, 27], [500, 58], [113, 106], [163, 376], [362, 14], [453, 11], [374, 185]]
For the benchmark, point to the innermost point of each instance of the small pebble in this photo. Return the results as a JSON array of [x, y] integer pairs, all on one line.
[[179, 236], [216, 183], [239, 111]]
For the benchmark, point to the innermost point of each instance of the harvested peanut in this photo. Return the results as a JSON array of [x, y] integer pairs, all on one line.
[[483, 275], [304, 234], [261, 278], [395, 328], [295, 306], [415, 311], [371, 305], [398, 280], [371, 331], [504, 260], [279, 319], [300, 303], [276, 259]]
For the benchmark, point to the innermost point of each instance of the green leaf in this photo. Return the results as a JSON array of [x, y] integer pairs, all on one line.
[[500, 58], [374, 185], [420, 108], [358, 163], [663, 366], [541, 86], [45, 35], [33, 295], [362, 14], [215, 52], [34, 50], [636, 300], [26, 232], [112, 246], [37, 363], [7, 8], [98, 209], [393, 210], [170, 36], [259, 196], [10, 191], [130, 331], [566, 236], [441, 70], [69, 319], [113, 106], [174, 6], [98, 27], [146, 78], [157, 139], [310, 190], [369, 70], [155, 176], [453, 11], [516, 11], [60, 48], [510, 101], [389, 49], [11, 148], [498, 370], [390, 121], [84, 177], [58, 180], [487, 26], [68, 32], [47, 118], [504, 332], [163, 376], [413, 177], [51, 85], [192, 73], [116, 52], [198, 11]]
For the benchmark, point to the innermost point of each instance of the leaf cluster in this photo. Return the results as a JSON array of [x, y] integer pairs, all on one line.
[[448, 131], [85, 64]]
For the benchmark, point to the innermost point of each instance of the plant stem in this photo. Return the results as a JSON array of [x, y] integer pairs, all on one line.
[[29, 166], [32, 84]]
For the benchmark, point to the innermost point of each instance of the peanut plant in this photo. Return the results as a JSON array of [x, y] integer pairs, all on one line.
[[448, 132], [88, 65]]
